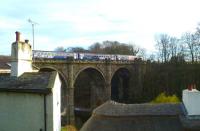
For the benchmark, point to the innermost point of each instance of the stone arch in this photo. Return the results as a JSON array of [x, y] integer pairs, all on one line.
[[120, 85], [86, 67], [51, 68], [121, 67], [63, 92], [89, 92]]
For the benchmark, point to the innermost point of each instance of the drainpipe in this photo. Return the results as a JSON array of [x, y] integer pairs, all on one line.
[[45, 114]]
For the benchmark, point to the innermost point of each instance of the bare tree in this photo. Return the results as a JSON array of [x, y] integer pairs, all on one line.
[[190, 40], [173, 46], [163, 44], [197, 48], [152, 57], [142, 53], [134, 49]]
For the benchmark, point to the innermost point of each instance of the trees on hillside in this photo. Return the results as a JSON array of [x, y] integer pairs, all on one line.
[[163, 46], [60, 48], [190, 41], [114, 47], [169, 48], [76, 49], [185, 48], [107, 47]]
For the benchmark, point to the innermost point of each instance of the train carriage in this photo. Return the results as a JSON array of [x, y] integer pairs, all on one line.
[[81, 56]]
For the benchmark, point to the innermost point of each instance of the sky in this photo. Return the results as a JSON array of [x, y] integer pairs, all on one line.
[[72, 23]]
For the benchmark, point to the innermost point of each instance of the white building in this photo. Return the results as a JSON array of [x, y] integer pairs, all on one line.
[[191, 101], [29, 101]]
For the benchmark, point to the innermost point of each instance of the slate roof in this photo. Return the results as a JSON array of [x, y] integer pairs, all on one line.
[[33, 82], [4, 62], [5, 58], [4, 65]]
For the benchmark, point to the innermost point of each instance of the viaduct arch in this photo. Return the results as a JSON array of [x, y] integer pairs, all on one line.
[[100, 75], [63, 91]]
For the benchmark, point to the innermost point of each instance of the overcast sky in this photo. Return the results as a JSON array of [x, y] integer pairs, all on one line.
[[70, 23]]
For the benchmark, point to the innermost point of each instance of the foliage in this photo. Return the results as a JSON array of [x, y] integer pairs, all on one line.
[[170, 78], [114, 47], [163, 98], [77, 49], [60, 48], [71, 49], [69, 128], [63, 129], [107, 47]]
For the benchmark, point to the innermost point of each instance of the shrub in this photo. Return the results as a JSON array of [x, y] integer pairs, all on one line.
[[63, 129], [163, 98], [69, 128]]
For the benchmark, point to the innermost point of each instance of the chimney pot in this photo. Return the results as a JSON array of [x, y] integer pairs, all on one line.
[[17, 36], [26, 41], [190, 87]]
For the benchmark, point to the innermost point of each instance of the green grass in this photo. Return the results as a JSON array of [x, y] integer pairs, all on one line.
[[163, 98]]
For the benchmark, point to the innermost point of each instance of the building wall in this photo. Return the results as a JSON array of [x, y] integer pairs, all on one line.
[[21, 54], [49, 113], [21, 112], [17, 69], [53, 102], [4, 70], [191, 101], [57, 104]]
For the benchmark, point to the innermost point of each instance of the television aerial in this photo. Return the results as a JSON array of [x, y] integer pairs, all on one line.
[[33, 23]]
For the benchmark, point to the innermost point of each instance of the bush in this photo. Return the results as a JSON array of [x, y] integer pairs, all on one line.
[[163, 98], [63, 129], [69, 128]]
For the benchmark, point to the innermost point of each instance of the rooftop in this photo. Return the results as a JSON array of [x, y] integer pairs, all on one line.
[[33, 82], [113, 116], [147, 109], [4, 62]]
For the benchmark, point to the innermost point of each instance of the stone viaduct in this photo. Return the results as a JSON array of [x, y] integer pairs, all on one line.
[[101, 87], [85, 84]]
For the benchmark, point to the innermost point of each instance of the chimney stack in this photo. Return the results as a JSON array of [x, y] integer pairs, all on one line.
[[191, 101], [21, 57], [17, 36]]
